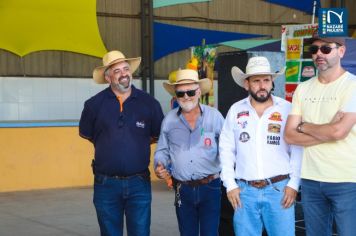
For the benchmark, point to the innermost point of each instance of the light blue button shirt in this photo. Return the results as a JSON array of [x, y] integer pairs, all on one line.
[[190, 154]]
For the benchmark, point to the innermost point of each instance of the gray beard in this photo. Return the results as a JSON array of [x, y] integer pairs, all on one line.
[[122, 88], [188, 106]]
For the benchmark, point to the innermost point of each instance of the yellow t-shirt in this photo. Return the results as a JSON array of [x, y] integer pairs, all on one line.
[[317, 103]]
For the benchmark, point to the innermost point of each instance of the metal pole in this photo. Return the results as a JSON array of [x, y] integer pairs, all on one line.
[[314, 8], [143, 46], [150, 50]]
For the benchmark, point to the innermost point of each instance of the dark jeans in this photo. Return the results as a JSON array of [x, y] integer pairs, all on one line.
[[324, 202], [199, 210], [114, 198]]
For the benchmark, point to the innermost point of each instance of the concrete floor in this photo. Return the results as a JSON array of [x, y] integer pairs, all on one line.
[[67, 212]]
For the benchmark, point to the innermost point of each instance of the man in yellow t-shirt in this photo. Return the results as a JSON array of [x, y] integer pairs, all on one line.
[[323, 119]]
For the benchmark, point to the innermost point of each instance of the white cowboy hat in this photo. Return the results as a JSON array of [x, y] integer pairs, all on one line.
[[188, 76], [110, 59], [255, 66]]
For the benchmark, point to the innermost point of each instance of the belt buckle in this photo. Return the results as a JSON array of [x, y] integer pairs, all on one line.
[[259, 183]]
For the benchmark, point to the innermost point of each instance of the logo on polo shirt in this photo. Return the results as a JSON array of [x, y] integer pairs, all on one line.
[[274, 128], [244, 137], [242, 124], [140, 124], [243, 113], [276, 116]]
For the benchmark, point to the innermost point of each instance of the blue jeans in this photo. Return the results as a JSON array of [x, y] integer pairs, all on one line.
[[115, 197], [199, 210], [262, 207], [323, 202]]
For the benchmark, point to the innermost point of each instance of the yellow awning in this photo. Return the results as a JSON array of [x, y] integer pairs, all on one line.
[[33, 25]]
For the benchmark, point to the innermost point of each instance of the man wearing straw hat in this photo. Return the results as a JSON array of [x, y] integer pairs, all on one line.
[[121, 121], [187, 149], [323, 120], [259, 169]]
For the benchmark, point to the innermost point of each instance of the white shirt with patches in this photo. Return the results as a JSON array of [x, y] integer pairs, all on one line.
[[253, 147]]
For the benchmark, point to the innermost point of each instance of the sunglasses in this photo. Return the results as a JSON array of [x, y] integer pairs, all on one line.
[[313, 49], [190, 93]]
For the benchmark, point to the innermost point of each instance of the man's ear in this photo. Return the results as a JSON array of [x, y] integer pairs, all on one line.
[[342, 50], [107, 78], [246, 84]]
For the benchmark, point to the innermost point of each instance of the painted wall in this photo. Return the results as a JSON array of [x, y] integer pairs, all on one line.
[[41, 158]]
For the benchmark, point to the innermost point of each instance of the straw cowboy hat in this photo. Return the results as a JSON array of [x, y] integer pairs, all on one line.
[[187, 76], [110, 59], [255, 66]]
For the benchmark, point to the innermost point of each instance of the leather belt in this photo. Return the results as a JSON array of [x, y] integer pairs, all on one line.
[[145, 173], [195, 183], [264, 182]]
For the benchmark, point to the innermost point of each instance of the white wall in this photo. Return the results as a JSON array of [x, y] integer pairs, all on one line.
[[47, 99]]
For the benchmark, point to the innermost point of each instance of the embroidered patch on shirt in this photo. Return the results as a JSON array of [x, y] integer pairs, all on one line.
[[274, 128], [242, 124], [243, 113], [140, 124], [207, 142], [276, 116], [244, 137], [274, 140]]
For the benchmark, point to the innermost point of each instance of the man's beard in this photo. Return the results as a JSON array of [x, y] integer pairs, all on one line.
[[123, 88], [188, 105], [260, 99]]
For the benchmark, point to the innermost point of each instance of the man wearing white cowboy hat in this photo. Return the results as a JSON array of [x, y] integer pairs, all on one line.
[[187, 150], [259, 169], [120, 121]]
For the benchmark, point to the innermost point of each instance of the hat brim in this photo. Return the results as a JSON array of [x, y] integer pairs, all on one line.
[[239, 76], [98, 73], [204, 84]]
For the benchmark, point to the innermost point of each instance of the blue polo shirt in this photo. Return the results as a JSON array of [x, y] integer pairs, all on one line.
[[121, 139]]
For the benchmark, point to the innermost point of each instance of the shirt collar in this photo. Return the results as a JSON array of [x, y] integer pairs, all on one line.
[[134, 92], [275, 100]]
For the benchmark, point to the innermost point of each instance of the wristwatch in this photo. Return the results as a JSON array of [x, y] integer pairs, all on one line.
[[299, 127]]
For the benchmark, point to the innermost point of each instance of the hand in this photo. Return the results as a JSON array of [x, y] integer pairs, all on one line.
[[161, 172], [289, 197], [234, 198]]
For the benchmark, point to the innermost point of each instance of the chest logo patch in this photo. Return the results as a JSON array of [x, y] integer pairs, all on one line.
[[244, 137], [274, 128], [140, 124], [242, 124], [276, 116], [243, 113], [207, 142]]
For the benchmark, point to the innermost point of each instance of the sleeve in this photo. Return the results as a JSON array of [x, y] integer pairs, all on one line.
[[296, 106], [86, 122], [227, 152], [157, 119], [350, 101], [162, 149], [296, 156]]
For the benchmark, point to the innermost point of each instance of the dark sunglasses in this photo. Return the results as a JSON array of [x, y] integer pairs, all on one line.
[[313, 49], [190, 93]]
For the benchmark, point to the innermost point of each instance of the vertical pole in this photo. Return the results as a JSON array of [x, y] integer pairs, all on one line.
[[143, 46], [150, 45], [314, 8]]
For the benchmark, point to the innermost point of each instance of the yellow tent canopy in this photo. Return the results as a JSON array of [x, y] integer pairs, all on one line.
[[35, 25]]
